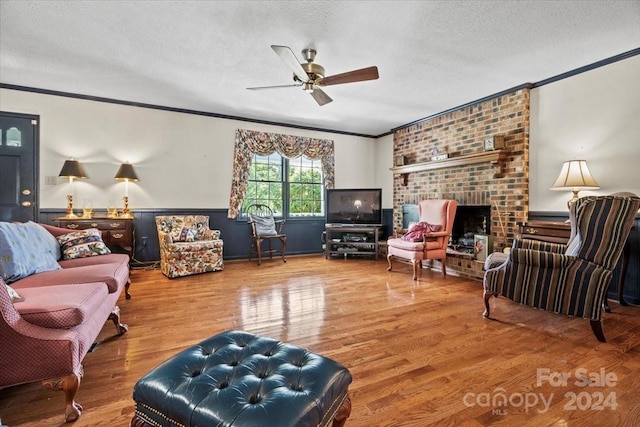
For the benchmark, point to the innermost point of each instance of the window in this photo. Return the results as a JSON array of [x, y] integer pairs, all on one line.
[[14, 137], [293, 188], [265, 184], [305, 187]]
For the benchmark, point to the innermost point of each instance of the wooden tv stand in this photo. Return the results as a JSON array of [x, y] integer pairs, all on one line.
[[347, 239]]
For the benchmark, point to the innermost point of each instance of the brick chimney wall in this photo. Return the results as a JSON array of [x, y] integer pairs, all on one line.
[[462, 132]]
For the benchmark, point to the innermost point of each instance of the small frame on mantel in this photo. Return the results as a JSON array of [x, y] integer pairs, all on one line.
[[495, 142]]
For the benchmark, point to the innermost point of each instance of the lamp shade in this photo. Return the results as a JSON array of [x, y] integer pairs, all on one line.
[[72, 169], [575, 175], [126, 173]]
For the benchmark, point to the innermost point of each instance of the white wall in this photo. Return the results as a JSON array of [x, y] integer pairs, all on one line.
[[593, 116], [182, 160], [384, 176]]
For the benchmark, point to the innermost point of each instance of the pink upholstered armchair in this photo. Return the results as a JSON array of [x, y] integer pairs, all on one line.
[[430, 236]]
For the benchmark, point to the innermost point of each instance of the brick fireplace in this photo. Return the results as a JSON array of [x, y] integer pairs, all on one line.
[[470, 175]]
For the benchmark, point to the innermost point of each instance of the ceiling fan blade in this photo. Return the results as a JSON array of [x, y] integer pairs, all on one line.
[[287, 55], [273, 87], [320, 97], [369, 73]]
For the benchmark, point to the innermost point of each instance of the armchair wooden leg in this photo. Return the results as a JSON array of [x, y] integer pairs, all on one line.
[[487, 310], [417, 268], [443, 261], [389, 262], [596, 327], [69, 384]]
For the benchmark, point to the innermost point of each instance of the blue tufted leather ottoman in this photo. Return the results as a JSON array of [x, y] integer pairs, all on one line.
[[240, 379]]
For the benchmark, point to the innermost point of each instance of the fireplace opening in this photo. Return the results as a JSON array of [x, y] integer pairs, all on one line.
[[470, 220]]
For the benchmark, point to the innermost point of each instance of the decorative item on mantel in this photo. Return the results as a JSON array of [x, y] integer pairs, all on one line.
[[575, 176], [399, 160], [71, 169], [495, 142], [126, 174], [436, 155]]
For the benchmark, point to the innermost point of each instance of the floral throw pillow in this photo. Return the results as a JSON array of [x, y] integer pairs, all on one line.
[[83, 243], [12, 292], [417, 230], [186, 234]]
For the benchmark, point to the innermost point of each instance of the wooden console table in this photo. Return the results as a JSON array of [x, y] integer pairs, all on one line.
[[559, 232], [116, 232]]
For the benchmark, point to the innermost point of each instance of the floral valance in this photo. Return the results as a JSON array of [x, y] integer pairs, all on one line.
[[250, 142]]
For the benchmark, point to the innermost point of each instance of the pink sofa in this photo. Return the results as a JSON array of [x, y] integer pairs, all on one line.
[[47, 333]]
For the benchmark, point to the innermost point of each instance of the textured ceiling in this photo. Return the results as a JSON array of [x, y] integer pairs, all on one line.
[[202, 55]]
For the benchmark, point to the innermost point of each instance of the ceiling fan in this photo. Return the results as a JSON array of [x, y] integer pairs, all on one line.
[[310, 75]]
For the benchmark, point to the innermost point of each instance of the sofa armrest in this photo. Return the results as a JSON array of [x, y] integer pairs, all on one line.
[[32, 346]]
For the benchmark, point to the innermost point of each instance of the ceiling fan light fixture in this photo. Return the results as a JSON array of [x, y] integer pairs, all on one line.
[[311, 76]]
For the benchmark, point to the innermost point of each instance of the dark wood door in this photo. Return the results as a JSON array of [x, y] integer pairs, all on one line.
[[18, 167]]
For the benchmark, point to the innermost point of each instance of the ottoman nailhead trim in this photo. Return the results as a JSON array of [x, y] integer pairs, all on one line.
[[333, 409], [158, 413]]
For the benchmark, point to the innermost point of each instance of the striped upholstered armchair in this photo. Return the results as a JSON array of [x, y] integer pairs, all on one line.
[[570, 279]]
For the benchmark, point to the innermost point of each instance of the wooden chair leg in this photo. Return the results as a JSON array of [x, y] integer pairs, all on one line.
[[443, 261], [69, 384], [258, 248], [389, 261], [596, 327], [284, 248]]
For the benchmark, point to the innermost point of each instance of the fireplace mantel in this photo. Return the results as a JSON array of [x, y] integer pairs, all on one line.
[[495, 157]]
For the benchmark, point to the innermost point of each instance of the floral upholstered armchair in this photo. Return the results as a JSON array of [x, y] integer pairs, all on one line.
[[188, 245]]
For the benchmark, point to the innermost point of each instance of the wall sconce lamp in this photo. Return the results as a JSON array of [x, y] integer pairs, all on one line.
[[575, 176], [71, 169], [127, 174]]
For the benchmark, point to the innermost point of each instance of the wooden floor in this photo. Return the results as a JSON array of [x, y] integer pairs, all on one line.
[[420, 352]]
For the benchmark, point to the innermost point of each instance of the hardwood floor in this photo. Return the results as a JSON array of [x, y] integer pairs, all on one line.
[[420, 353]]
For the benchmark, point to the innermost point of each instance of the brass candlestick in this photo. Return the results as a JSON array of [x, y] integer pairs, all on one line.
[[126, 212], [70, 213]]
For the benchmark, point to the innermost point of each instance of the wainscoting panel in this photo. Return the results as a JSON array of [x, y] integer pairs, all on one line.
[[304, 236]]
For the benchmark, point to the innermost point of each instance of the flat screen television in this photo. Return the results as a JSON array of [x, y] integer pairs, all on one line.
[[361, 206]]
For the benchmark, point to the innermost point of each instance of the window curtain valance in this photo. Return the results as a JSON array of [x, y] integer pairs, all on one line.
[[250, 142]]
